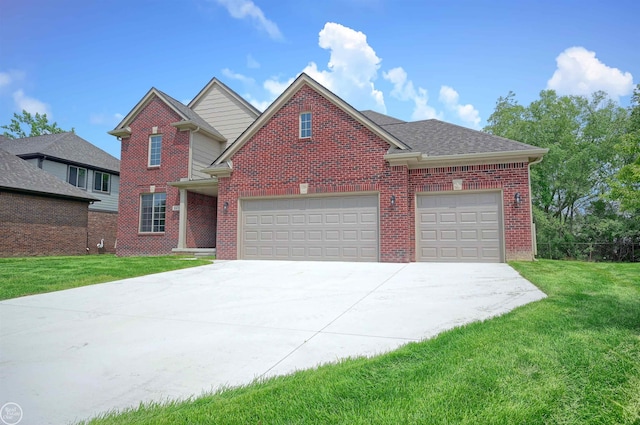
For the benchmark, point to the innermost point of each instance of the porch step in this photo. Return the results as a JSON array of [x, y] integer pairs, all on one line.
[[196, 252]]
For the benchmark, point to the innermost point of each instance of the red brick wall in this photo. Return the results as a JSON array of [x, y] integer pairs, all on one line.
[[201, 220], [510, 178], [136, 178], [341, 156], [102, 225], [36, 225]]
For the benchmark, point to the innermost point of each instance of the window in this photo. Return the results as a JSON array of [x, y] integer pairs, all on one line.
[[305, 125], [155, 147], [152, 212], [100, 181], [78, 177]]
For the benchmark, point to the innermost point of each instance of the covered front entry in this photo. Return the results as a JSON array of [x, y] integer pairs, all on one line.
[[462, 227], [329, 228]]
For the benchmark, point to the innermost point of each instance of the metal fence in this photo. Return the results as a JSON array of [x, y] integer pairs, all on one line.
[[590, 251]]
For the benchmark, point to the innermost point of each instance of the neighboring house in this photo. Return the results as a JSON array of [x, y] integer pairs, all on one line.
[[312, 178], [39, 214], [83, 165]]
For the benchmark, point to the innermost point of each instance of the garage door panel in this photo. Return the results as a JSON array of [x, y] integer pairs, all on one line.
[[448, 235], [459, 227], [325, 228]]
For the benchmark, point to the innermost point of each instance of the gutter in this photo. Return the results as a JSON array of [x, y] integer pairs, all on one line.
[[421, 160]]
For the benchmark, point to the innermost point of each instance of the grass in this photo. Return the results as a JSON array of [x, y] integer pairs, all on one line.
[[37, 275], [573, 358]]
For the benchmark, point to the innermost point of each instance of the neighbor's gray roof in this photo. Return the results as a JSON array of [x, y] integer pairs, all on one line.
[[190, 114], [435, 138], [17, 174], [64, 146]]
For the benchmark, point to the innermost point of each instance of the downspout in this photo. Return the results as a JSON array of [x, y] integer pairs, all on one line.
[[534, 241]]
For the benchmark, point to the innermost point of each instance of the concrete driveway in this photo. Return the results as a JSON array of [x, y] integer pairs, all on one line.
[[69, 355]]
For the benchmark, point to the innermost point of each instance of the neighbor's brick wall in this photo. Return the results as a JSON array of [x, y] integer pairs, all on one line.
[[136, 178], [102, 225], [201, 221], [36, 225], [341, 156], [510, 178]]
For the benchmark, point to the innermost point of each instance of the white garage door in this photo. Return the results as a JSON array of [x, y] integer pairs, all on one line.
[[337, 228], [463, 227]]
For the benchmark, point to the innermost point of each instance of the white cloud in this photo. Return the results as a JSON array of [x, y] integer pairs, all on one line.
[[30, 104], [105, 119], [404, 90], [10, 77], [467, 113], [579, 72], [246, 9], [252, 63], [5, 79], [352, 68], [235, 76]]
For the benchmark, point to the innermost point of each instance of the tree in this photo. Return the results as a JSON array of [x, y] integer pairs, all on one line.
[[580, 134], [593, 155], [36, 124], [625, 186]]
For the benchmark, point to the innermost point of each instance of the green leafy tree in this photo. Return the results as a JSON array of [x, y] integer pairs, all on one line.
[[588, 140], [625, 185], [27, 125]]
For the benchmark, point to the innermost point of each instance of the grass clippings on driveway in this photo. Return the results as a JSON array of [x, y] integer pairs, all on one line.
[[572, 358], [37, 275]]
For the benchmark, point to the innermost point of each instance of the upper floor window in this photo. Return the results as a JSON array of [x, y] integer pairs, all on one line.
[[101, 181], [305, 125], [77, 176], [153, 208], [155, 148]]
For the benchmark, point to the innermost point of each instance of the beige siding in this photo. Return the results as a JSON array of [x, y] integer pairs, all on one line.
[[225, 113], [203, 152]]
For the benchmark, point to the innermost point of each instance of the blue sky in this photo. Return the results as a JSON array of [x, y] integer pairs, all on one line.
[[87, 63]]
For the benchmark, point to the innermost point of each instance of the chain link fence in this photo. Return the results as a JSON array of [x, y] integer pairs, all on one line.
[[624, 251]]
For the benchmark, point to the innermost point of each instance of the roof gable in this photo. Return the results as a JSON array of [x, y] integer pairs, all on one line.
[[19, 175], [302, 80], [217, 83], [190, 120], [66, 146]]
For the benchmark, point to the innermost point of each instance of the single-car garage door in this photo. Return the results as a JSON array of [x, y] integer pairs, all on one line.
[[459, 227], [336, 228]]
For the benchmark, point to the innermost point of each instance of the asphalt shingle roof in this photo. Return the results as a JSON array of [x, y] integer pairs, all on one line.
[[381, 119], [18, 174], [437, 138], [65, 146]]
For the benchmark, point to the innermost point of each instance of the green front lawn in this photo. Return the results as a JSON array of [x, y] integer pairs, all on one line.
[[573, 358], [36, 275]]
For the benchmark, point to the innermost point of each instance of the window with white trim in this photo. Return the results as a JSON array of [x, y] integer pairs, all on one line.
[[155, 149], [153, 208], [305, 125], [77, 176], [101, 181]]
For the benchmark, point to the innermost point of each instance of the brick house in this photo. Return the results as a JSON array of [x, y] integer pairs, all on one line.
[[79, 163], [39, 214], [313, 178]]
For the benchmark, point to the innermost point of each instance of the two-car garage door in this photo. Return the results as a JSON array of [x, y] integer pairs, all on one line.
[[338, 228], [462, 227]]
